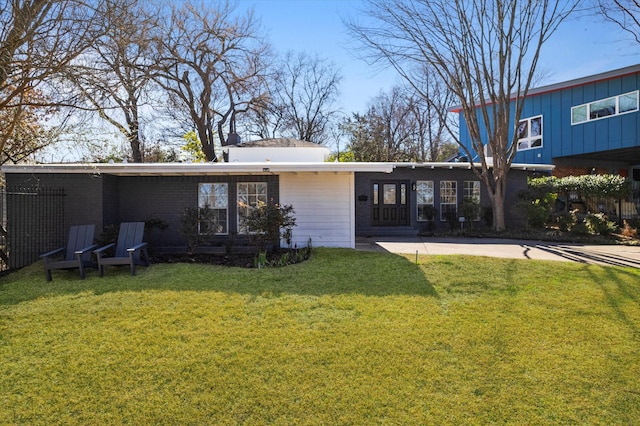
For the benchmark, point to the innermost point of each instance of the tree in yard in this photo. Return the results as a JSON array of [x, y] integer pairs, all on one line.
[[38, 39], [212, 64], [111, 77], [398, 126], [301, 100], [485, 51]]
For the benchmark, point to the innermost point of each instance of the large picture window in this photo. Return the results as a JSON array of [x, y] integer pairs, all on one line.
[[603, 108], [424, 200], [213, 203], [448, 199], [529, 133], [250, 195]]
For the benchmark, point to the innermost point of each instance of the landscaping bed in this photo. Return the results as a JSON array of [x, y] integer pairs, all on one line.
[[244, 259]]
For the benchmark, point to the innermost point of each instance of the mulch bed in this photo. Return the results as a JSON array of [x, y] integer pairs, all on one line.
[[241, 260]]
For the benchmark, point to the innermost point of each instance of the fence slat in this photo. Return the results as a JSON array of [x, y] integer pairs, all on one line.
[[32, 223]]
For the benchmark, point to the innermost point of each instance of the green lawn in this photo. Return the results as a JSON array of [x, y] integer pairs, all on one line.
[[344, 338]]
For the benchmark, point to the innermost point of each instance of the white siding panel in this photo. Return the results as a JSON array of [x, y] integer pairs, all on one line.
[[324, 207]]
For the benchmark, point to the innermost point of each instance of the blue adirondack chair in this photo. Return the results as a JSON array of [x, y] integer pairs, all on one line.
[[128, 248], [77, 253]]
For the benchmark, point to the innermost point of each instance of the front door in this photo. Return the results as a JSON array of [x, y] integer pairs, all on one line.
[[389, 203]]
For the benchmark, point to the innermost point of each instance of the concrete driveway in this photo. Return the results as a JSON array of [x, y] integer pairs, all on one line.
[[615, 255]]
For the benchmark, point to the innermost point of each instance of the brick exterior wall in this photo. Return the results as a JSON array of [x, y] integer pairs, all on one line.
[[106, 200], [564, 171], [166, 197], [83, 203], [363, 186]]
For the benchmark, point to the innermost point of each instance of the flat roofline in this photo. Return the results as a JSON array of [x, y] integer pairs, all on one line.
[[237, 168]]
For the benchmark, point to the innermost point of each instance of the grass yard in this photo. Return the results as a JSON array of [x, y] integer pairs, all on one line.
[[345, 338]]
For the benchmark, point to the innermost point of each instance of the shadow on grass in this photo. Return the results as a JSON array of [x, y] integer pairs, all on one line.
[[328, 272], [619, 294]]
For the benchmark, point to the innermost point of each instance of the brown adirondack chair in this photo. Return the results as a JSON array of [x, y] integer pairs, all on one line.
[[128, 248], [77, 253]]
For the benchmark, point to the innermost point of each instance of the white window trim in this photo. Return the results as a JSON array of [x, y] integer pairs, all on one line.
[[239, 224], [477, 187], [455, 203], [432, 204], [216, 208], [617, 113], [529, 139]]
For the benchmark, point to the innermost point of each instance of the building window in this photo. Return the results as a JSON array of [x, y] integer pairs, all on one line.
[[375, 194], [530, 133], [389, 196], [424, 200], [471, 192], [448, 199], [213, 202], [250, 195], [604, 108]]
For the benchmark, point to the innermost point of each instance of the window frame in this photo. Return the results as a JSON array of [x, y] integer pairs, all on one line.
[[258, 196], [526, 142], [472, 192], [588, 113], [452, 197], [204, 200], [419, 205]]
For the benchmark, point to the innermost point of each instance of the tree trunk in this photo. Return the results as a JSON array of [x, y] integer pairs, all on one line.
[[497, 204]]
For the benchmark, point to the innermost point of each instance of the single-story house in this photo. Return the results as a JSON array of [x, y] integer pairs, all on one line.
[[333, 202]]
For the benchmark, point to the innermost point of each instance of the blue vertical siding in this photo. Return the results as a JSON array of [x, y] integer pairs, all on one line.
[[560, 138]]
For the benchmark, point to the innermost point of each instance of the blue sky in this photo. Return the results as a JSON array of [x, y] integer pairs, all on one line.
[[579, 48]]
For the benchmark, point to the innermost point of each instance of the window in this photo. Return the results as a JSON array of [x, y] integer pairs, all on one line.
[[530, 133], [389, 194], [448, 199], [471, 192], [424, 200], [213, 200], [603, 108], [375, 194], [250, 195]]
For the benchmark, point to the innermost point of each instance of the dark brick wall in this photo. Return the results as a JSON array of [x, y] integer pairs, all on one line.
[[106, 200], [363, 181], [165, 198], [83, 202]]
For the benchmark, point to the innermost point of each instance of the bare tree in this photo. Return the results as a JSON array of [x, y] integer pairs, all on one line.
[[301, 102], [398, 126], [486, 52], [624, 13], [112, 75], [38, 39], [212, 64]]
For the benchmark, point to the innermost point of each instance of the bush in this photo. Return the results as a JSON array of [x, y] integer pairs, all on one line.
[[580, 228], [470, 210], [195, 224], [598, 224], [537, 215], [268, 222], [629, 231], [566, 221], [452, 220]]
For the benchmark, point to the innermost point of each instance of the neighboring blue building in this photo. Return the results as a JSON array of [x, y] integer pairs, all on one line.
[[581, 125]]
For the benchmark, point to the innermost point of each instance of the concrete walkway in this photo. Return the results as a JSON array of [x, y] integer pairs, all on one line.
[[616, 255]]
